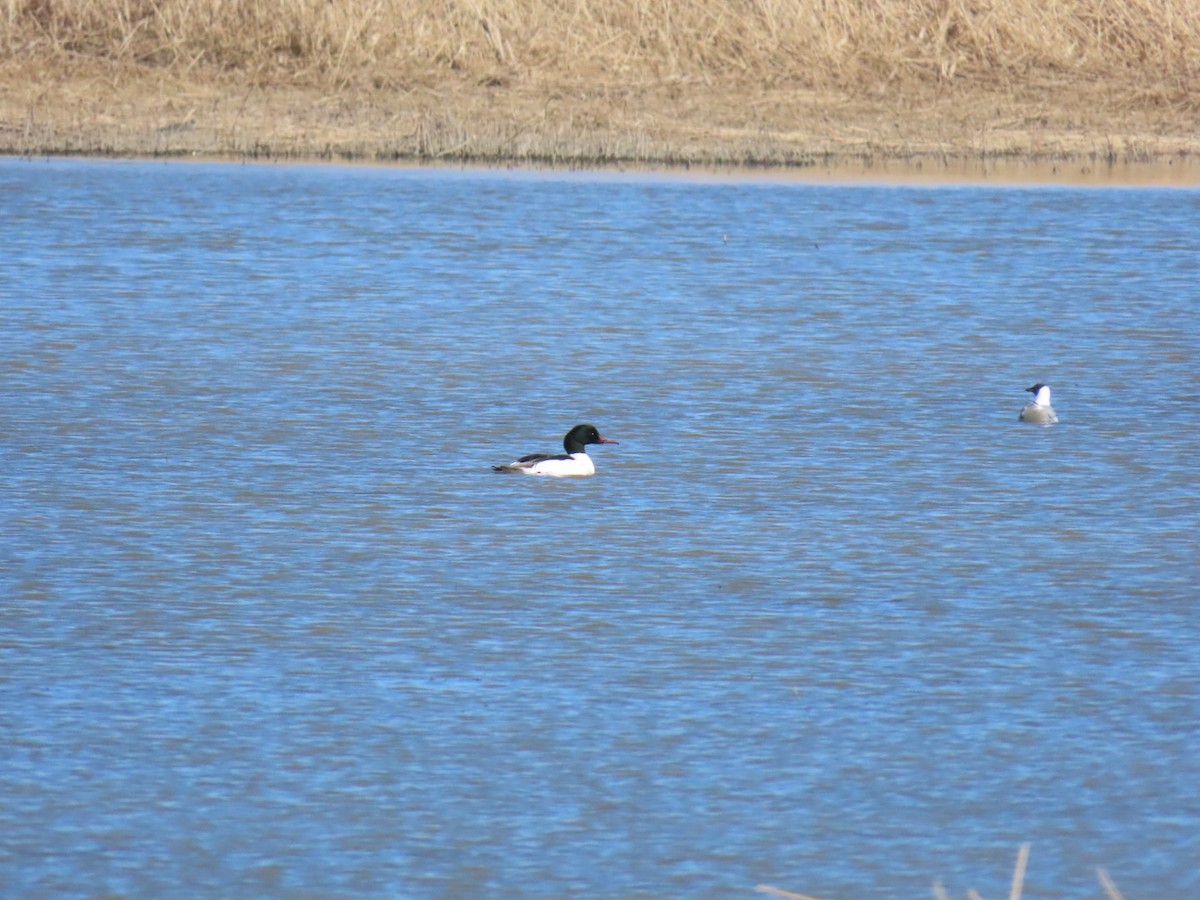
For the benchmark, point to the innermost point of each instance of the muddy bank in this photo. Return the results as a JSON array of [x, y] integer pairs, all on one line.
[[1065, 133]]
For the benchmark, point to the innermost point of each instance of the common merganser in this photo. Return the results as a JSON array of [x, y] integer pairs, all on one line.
[[575, 462], [1039, 412]]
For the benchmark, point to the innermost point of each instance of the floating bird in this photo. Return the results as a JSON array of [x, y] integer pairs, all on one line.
[[575, 462], [1039, 411]]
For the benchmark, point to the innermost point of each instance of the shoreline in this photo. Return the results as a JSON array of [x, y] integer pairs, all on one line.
[[965, 136], [1074, 93], [1177, 172], [1183, 174]]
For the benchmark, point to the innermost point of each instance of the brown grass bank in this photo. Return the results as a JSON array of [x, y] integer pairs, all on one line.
[[1085, 85]]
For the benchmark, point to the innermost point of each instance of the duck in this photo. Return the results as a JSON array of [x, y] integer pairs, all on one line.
[[1039, 411], [573, 463]]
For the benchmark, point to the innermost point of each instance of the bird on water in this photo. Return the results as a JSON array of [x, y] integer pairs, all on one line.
[[575, 462], [1039, 411]]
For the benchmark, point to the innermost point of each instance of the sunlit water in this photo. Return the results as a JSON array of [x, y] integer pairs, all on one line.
[[828, 618]]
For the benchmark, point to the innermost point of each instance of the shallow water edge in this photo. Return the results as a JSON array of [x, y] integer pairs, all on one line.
[[1182, 171]]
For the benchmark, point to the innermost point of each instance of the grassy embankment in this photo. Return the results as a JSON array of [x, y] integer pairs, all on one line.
[[583, 82]]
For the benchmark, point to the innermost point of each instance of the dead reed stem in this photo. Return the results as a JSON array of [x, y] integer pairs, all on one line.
[[1019, 873], [779, 892], [1110, 889]]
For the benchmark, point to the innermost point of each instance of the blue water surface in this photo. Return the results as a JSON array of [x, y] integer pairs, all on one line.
[[828, 618]]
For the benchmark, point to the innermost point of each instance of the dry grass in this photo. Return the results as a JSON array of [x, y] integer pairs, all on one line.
[[692, 81], [1144, 44]]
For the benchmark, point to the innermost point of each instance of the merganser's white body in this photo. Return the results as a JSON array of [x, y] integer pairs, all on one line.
[[574, 463], [1039, 411]]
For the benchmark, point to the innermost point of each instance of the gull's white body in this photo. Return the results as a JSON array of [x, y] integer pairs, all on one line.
[[1039, 411]]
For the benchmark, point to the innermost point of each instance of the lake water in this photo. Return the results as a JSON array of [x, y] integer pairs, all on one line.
[[828, 618]]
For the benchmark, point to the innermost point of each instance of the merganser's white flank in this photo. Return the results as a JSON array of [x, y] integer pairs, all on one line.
[[1039, 412], [574, 463]]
